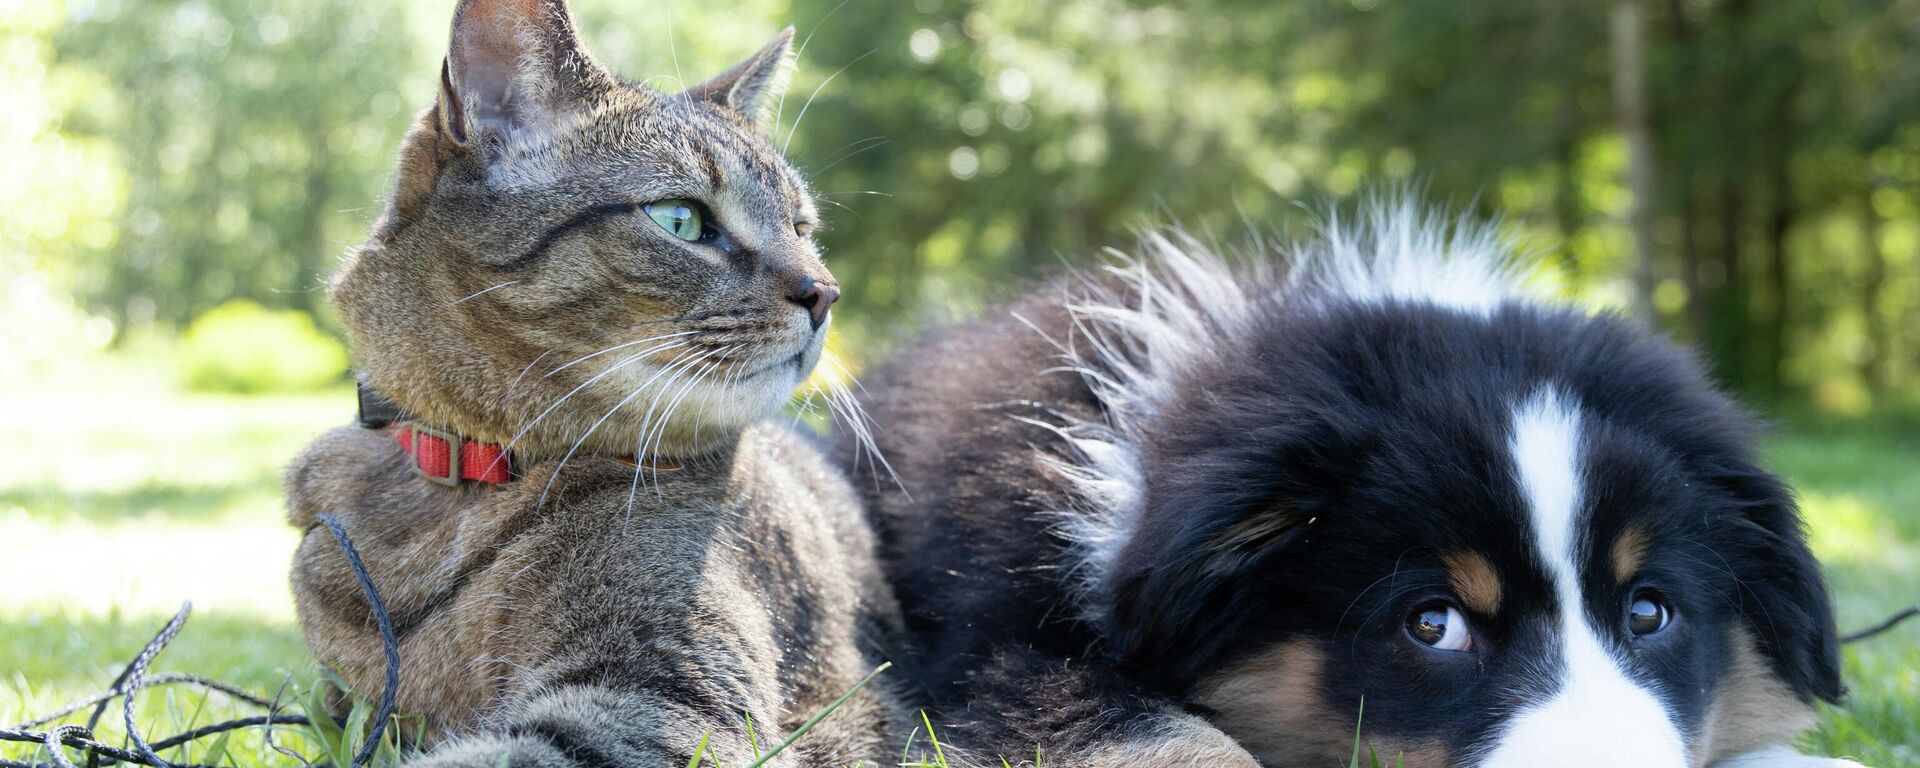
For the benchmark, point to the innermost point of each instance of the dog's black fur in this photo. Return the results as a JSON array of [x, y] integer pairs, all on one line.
[[1317, 456]]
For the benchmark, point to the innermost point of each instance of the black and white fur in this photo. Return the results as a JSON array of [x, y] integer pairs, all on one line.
[[1185, 512]]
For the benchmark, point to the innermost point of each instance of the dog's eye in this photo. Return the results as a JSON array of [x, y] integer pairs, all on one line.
[[1648, 614], [1441, 626]]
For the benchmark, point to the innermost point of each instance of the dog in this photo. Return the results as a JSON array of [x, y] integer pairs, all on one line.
[[1376, 493]]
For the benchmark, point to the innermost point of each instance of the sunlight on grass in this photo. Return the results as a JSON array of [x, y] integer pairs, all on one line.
[[132, 499], [149, 565], [1860, 490], [1846, 529]]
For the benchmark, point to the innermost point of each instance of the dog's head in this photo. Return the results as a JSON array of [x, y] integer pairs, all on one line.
[[1520, 534]]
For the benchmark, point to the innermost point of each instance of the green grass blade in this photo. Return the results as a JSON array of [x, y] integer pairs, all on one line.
[[939, 753], [351, 735], [699, 750], [821, 715], [908, 749], [1354, 762], [753, 740], [216, 751], [319, 720]]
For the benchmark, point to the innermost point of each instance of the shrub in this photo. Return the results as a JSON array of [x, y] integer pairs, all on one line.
[[242, 347]]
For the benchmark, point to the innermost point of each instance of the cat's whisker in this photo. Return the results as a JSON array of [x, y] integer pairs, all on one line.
[[596, 426], [724, 394], [840, 398], [623, 345], [523, 374], [674, 50], [856, 419], [485, 290], [780, 106], [816, 92], [640, 451], [849, 152], [854, 192], [841, 205], [803, 406], [624, 362], [674, 405]]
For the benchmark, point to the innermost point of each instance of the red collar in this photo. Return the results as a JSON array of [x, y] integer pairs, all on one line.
[[447, 459], [438, 455]]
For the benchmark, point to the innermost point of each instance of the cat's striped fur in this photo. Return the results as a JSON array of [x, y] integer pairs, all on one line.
[[595, 612]]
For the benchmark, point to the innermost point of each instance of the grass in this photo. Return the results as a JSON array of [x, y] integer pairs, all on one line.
[[122, 497]]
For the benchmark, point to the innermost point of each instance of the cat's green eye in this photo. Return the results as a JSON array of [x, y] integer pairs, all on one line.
[[681, 218]]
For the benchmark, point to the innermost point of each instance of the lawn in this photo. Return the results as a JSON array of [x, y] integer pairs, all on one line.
[[121, 497]]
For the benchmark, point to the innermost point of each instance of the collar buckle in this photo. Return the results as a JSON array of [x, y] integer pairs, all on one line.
[[453, 441]]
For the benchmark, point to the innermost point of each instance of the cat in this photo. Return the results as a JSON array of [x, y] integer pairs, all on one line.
[[583, 299]]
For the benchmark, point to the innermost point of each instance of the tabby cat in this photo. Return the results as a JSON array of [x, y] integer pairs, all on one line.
[[607, 288]]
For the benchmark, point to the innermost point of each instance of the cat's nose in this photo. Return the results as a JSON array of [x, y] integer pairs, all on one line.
[[815, 297]]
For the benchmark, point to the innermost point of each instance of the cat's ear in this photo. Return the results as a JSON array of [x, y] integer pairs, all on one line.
[[753, 86], [512, 66]]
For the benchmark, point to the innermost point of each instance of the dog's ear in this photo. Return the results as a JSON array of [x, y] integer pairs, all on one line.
[[1782, 595], [1183, 589], [1174, 596]]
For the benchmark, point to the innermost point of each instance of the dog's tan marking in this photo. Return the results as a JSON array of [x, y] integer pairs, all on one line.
[[1242, 540], [1629, 552], [1473, 580], [1255, 530], [1752, 707], [1272, 705]]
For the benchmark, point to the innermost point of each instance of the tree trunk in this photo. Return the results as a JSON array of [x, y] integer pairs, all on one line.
[[1690, 266], [1779, 222], [1628, 38], [1731, 334], [1873, 361]]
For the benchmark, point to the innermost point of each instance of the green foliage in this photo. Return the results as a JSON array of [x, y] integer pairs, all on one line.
[[189, 151], [244, 348], [340, 742], [255, 139]]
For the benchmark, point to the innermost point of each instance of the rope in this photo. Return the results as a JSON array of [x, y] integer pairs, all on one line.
[[388, 642], [1891, 622], [127, 686], [137, 670]]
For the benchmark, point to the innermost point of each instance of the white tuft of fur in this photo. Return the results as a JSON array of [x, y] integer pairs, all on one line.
[[1398, 251], [1167, 306]]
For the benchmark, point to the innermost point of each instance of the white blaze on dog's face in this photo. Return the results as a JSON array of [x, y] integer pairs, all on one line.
[[1600, 715], [1521, 535]]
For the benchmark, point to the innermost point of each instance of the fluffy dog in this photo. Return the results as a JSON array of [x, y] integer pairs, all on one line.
[[1188, 512]]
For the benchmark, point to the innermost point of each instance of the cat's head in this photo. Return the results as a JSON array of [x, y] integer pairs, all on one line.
[[570, 259]]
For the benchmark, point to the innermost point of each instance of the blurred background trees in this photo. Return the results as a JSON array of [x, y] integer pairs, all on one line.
[[178, 178], [163, 157]]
